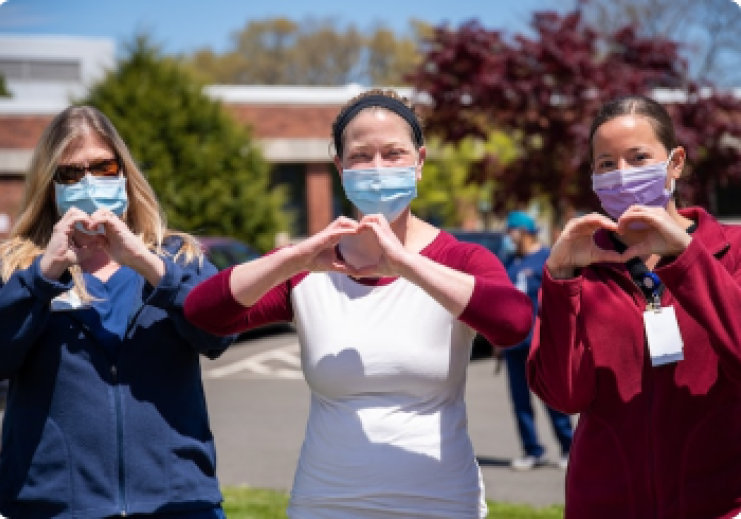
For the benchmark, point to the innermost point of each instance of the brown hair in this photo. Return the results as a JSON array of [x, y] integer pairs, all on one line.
[[656, 114], [376, 92]]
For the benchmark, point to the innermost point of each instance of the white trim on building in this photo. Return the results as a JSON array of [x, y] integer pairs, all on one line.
[[15, 162], [53, 68], [293, 95], [296, 150]]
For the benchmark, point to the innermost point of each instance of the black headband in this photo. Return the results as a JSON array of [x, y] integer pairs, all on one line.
[[382, 101]]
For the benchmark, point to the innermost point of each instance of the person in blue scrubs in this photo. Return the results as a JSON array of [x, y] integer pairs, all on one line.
[[106, 414], [525, 269]]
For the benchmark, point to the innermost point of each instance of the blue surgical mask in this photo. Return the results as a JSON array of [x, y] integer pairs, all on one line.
[[509, 247], [91, 194], [386, 191]]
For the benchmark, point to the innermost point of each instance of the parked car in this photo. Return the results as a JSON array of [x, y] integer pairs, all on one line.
[[224, 252], [494, 241]]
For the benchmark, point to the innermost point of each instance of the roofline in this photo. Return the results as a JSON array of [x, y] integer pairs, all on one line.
[[297, 95], [293, 95], [11, 106], [57, 38]]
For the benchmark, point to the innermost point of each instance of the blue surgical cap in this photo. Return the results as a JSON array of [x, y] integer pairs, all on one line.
[[521, 220]]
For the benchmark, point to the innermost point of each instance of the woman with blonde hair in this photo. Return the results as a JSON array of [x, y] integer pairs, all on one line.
[[106, 413]]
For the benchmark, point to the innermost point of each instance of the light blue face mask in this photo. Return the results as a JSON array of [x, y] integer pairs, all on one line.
[[91, 194], [509, 248], [386, 191]]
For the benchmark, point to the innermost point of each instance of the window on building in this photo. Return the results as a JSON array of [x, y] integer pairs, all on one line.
[[40, 69], [293, 178]]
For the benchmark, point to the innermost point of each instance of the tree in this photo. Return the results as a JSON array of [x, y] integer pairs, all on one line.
[[280, 51], [543, 92], [708, 31], [445, 195], [208, 175], [390, 57], [4, 92]]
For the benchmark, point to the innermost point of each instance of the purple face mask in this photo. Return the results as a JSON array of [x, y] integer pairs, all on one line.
[[622, 188]]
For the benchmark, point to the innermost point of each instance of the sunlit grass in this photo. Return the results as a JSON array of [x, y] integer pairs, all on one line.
[[251, 503]]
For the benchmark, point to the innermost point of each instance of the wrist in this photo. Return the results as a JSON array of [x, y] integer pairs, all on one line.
[[148, 265], [404, 265], [292, 261], [560, 271], [51, 269], [138, 261], [686, 241]]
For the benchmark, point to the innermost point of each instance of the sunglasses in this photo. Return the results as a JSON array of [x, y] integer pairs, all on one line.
[[72, 173]]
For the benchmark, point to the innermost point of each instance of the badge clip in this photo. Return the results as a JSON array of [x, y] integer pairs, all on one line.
[[652, 282]]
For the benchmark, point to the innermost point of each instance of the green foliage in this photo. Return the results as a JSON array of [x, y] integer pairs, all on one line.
[[249, 503], [280, 51], [446, 193], [208, 175], [4, 92]]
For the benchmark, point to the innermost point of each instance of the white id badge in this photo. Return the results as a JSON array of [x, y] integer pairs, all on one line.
[[664, 339], [68, 301]]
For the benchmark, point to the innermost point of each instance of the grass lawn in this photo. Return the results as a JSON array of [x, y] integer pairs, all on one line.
[[250, 503]]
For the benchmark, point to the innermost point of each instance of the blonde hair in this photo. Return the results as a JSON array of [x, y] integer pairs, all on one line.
[[32, 231]]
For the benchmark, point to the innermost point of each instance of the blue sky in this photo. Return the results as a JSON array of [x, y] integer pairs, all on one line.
[[185, 25]]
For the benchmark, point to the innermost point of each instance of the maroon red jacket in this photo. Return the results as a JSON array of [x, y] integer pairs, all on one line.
[[652, 442]]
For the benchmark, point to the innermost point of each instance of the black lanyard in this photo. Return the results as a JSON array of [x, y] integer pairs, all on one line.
[[651, 286]]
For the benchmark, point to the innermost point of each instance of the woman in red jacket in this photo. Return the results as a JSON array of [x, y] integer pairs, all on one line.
[[640, 332]]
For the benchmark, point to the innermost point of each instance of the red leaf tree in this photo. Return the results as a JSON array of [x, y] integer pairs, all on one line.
[[544, 91]]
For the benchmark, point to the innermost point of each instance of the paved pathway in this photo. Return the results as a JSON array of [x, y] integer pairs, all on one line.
[[259, 403]]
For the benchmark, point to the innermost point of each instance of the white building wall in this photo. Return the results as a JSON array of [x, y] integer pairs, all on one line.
[[41, 69]]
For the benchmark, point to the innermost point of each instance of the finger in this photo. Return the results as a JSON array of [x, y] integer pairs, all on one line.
[[344, 222], [637, 251], [635, 214], [344, 268], [334, 236], [71, 217], [593, 222], [372, 225], [375, 218], [106, 218], [367, 271], [610, 256]]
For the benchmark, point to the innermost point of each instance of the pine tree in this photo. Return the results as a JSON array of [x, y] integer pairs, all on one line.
[[208, 175], [4, 92]]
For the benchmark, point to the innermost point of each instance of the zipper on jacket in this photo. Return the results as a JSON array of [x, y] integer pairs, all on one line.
[[651, 388], [119, 437]]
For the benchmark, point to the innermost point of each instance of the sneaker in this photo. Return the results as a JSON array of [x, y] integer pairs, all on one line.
[[563, 463], [528, 462]]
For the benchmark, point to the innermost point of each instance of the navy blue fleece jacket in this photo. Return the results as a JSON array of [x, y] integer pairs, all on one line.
[[92, 430]]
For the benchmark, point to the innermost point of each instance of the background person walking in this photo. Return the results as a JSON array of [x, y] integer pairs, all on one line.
[[525, 270]]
